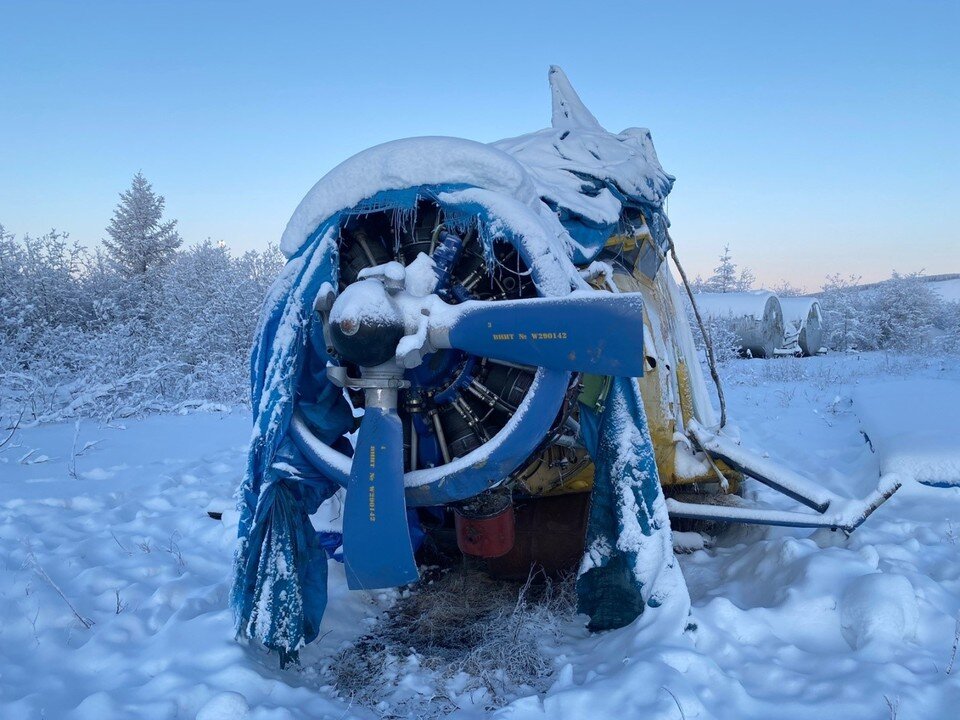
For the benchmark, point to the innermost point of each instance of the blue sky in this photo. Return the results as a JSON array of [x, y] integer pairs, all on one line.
[[811, 137]]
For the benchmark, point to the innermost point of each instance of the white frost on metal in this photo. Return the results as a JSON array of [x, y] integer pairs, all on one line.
[[796, 310], [683, 337], [544, 238], [845, 514], [784, 477], [751, 304]]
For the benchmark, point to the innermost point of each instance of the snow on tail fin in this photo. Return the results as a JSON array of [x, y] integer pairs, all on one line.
[[568, 109]]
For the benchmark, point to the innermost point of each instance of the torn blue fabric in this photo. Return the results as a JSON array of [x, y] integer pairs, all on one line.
[[280, 561], [279, 590], [628, 562]]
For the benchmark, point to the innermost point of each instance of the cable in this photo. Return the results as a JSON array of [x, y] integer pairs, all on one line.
[[711, 361]]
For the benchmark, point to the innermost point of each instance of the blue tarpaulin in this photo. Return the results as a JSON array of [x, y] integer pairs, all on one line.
[[279, 592]]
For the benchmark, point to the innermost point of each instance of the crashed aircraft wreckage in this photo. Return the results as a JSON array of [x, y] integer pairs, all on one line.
[[503, 320]]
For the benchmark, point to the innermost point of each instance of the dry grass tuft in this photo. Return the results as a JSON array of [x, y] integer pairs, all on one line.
[[461, 635]]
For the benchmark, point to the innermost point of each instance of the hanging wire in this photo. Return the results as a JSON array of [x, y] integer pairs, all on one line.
[[711, 360]]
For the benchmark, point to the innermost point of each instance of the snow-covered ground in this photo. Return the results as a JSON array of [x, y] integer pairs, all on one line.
[[948, 289], [786, 623], [920, 439]]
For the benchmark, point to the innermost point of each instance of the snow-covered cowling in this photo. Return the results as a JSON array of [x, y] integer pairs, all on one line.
[[281, 570], [594, 180]]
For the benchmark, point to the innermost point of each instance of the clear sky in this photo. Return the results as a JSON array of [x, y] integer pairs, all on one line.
[[812, 137]]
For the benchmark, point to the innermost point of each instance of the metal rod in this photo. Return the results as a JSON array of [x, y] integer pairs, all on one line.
[[724, 483], [481, 391], [472, 420], [748, 516], [441, 439], [366, 248], [507, 363], [413, 443], [707, 341], [384, 398], [848, 522], [567, 441], [741, 460], [472, 279], [817, 504], [434, 236]]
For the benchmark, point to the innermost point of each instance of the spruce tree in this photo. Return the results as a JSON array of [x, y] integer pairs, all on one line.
[[725, 277], [140, 241], [724, 274]]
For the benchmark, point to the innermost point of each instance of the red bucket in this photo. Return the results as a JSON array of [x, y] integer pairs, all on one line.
[[489, 535]]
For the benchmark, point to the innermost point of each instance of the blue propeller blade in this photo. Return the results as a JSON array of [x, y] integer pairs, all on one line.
[[597, 333], [376, 539]]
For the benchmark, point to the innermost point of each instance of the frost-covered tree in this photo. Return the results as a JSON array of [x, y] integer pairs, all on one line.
[[260, 268], [723, 336], [786, 289], [140, 240], [42, 307], [698, 284], [79, 337], [948, 320], [904, 309], [725, 277], [209, 316], [39, 281], [847, 325]]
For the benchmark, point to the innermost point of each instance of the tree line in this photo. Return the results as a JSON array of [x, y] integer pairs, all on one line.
[[140, 324], [902, 314], [145, 324]]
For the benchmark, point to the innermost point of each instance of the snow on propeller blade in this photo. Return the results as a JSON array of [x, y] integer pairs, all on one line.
[[591, 332]]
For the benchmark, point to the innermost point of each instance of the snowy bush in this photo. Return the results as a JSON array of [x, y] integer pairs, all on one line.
[[787, 289], [847, 324], [902, 314], [723, 337], [948, 318], [140, 326], [904, 311]]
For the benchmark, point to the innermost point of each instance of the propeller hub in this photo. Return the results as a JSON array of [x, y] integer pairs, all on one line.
[[366, 324]]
